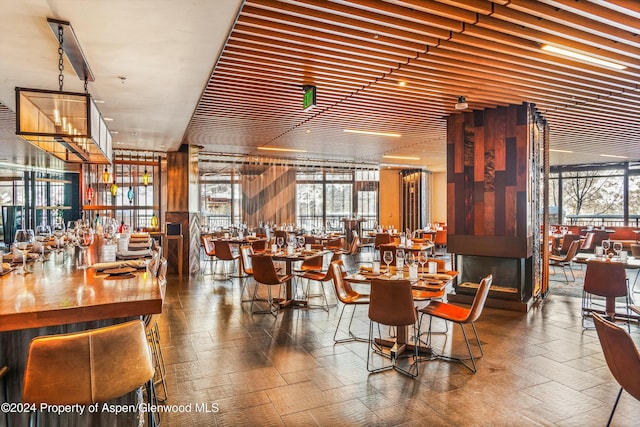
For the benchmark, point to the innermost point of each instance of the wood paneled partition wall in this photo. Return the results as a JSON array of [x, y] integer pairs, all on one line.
[[492, 191], [269, 195]]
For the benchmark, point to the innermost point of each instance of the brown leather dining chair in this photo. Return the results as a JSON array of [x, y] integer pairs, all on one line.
[[564, 261], [608, 280], [622, 356], [264, 273], [347, 296], [88, 367], [224, 253], [462, 316], [321, 277], [210, 251], [391, 304]]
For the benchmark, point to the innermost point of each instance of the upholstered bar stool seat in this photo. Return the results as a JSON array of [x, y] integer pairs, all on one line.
[[89, 366]]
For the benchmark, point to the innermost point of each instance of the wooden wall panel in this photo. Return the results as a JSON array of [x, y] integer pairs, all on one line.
[[489, 189]]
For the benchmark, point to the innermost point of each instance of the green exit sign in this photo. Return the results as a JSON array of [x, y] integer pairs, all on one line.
[[309, 99]]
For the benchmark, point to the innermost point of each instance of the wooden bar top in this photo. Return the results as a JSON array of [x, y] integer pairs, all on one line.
[[56, 293]]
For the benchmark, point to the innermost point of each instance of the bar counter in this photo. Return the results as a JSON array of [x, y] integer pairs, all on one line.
[[59, 298]]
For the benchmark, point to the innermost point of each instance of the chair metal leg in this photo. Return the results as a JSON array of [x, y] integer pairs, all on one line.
[[376, 348], [352, 336], [615, 405]]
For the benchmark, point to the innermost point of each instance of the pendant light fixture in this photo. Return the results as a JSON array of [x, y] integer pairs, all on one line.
[[89, 193], [105, 177], [114, 186], [462, 103], [130, 193], [145, 175], [67, 125]]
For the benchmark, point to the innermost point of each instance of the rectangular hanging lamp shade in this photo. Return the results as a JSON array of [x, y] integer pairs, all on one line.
[[65, 124]]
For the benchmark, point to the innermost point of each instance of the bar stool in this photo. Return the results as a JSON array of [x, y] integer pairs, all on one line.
[[3, 372], [88, 367]]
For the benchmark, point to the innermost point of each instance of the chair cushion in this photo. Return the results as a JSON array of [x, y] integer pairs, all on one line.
[[446, 311]]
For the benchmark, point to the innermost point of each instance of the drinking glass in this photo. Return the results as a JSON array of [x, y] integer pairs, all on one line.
[[422, 258], [58, 233], [43, 232], [23, 239], [617, 247], [280, 243], [300, 241], [399, 259], [387, 257], [84, 239], [410, 259], [605, 247]]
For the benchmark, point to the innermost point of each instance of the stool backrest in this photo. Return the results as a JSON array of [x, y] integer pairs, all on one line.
[[605, 278]]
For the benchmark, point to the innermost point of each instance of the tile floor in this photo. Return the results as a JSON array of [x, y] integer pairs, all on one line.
[[539, 369]]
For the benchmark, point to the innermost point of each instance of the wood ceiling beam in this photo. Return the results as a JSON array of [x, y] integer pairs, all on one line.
[[589, 36], [584, 21], [316, 39], [319, 18]]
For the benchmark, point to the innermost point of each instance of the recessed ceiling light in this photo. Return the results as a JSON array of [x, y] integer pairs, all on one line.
[[402, 83], [366, 132], [291, 150], [583, 57], [114, 132], [119, 143], [401, 157], [560, 151], [107, 119], [99, 101]]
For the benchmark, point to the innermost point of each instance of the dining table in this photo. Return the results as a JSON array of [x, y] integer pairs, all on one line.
[[289, 259], [424, 287], [57, 296]]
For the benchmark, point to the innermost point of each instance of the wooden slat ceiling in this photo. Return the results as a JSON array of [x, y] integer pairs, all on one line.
[[399, 66]]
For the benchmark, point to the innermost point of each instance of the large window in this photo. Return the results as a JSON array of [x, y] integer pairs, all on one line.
[[220, 197], [595, 195], [324, 198]]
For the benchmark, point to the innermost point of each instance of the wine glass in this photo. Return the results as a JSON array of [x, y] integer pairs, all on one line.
[[301, 241], [280, 243], [605, 247], [23, 239], [410, 259], [43, 232], [58, 233], [84, 239], [422, 258], [387, 257], [617, 248]]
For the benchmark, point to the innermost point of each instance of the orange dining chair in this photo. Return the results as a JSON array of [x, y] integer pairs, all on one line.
[[264, 273], [210, 251], [566, 260], [320, 277], [607, 280], [391, 304], [587, 244], [381, 239], [347, 296], [246, 253], [224, 253], [462, 316], [566, 243], [622, 357], [440, 241]]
